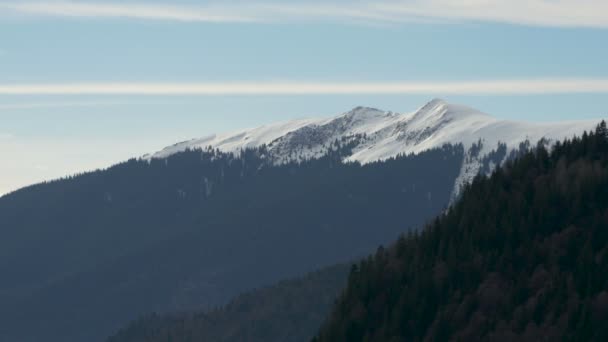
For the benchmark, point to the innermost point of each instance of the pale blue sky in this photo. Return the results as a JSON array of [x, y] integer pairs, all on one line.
[[55, 43]]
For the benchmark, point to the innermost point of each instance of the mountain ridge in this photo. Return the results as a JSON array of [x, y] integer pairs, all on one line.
[[379, 135]]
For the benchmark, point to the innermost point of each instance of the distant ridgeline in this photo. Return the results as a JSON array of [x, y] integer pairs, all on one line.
[[80, 257], [523, 256], [289, 311]]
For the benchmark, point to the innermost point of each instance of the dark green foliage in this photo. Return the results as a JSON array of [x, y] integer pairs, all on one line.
[[494, 159], [289, 311], [79, 257], [523, 256]]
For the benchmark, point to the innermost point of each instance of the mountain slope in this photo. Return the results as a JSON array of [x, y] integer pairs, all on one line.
[[82, 256], [381, 135], [190, 230], [289, 311], [265, 315], [522, 256]]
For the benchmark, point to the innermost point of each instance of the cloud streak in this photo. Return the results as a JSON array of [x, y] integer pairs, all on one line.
[[45, 105], [484, 87], [549, 13], [552, 13], [127, 10]]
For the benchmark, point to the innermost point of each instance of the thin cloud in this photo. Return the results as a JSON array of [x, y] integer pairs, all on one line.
[[214, 12], [552, 13], [485, 87], [127, 10], [44, 105]]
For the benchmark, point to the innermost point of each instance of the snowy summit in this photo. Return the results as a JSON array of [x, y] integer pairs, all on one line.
[[388, 134]]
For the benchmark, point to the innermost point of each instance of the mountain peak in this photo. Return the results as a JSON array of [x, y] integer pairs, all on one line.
[[434, 105], [432, 110], [439, 109], [362, 113], [436, 102], [386, 134]]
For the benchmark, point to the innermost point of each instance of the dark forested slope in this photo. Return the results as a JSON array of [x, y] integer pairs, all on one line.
[[80, 257], [287, 312], [522, 256]]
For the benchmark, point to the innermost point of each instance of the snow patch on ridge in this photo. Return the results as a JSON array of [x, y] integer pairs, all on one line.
[[382, 135]]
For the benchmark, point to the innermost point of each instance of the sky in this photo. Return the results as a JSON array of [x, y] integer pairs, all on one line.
[[85, 84]]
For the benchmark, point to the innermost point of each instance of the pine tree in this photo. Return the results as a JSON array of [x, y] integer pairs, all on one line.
[[601, 130]]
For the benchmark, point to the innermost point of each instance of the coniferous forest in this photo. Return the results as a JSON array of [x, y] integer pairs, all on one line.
[[523, 256]]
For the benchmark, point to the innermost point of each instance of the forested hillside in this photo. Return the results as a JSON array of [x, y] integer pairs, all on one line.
[[523, 256], [81, 257], [289, 311]]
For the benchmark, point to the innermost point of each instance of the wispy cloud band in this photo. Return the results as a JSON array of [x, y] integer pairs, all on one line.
[[554, 13], [128, 10], [26, 106], [486, 87]]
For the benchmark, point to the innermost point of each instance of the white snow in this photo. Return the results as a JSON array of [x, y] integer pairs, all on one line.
[[389, 134], [235, 141]]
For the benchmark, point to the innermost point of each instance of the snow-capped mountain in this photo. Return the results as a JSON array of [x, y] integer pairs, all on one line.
[[381, 135]]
